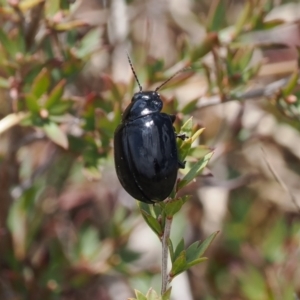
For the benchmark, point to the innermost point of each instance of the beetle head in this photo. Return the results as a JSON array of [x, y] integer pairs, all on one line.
[[142, 104]]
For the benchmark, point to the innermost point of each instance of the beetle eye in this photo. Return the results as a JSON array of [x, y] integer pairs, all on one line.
[[135, 97]]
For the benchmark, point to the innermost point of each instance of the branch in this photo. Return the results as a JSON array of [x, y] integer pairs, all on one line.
[[165, 249], [280, 181], [264, 91]]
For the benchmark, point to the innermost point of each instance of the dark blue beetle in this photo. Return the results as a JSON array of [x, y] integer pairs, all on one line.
[[146, 156]]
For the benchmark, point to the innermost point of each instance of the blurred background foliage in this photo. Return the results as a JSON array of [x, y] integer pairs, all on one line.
[[67, 228]]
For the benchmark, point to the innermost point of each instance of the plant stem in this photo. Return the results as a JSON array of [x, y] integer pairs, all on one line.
[[264, 91], [164, 263]]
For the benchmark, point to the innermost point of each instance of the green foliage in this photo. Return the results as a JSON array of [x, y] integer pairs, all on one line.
[[152, 295], [183, 259], [65, 231]]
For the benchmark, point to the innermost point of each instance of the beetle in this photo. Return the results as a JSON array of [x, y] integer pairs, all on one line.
[[145, 149]]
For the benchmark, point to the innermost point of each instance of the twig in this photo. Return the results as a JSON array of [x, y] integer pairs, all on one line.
[[165, 249], [265, 91], [32, 28], [21, 18], [280, 181]]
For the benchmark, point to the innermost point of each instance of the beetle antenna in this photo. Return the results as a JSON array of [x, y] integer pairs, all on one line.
[[181, 70], [136, 78]]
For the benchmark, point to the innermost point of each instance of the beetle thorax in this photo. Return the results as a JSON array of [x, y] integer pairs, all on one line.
[[142, 104]]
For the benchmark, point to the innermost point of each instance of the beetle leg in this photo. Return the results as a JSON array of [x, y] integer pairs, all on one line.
[[181, 164], [182, 136], [179, 135]]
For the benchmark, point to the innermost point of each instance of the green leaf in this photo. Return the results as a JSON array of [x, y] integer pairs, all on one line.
[[157, 209], [187, 126], [193, 252], [104, 124], [154, 69], [139, 295], [271, 246], [153, 223], [179, 248], [51, 8], [243, 17], [69, 25], [89, 43], [32, 104], [60, 108], [144, 206], [90, 153], [199, 151], [55, 134], [127, 255], [272, 24], [289, 87], [4, 83], [20, 42], [179, 265], [244, 58], [167, 294], [230, 67], [196, 250], [66, 4], [195, 170], [89, 243], [41, 83], [253, 284], [152, 295], [190, 107], [251, 72], [216, 18], [55, 94], [5, 9], [197, 134], [184, 148], [185, 259], [17, 221], [196, 262], [173, 206], [205, 47], [8, 44], [11, 120], [29, 4]]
